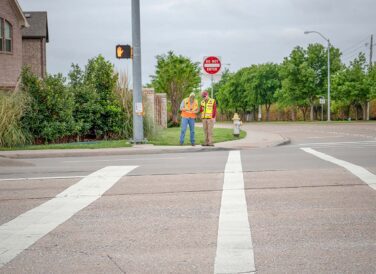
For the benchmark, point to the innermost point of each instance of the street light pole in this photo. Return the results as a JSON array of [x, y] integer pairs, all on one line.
[[138, 130], [326, 39]]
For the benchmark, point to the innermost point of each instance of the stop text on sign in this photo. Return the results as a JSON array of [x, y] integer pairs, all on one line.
[[212, 64]]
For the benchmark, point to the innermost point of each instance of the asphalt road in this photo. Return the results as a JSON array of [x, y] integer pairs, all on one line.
[[307, 207]]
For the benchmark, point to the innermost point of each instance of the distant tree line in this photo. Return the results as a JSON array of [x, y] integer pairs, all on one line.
[[293, 86], [298, 83]]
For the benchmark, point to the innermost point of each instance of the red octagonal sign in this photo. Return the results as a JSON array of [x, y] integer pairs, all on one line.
[[212, 65]]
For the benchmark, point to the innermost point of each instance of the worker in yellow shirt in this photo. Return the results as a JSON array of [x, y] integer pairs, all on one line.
[[208, 111]]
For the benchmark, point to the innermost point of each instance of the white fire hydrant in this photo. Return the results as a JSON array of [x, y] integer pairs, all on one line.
[[237, 124]]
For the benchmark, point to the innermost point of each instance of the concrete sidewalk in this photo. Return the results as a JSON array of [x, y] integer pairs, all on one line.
[[252, 140]]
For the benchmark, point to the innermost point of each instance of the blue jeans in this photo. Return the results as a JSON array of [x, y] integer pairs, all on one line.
[[184, 123]]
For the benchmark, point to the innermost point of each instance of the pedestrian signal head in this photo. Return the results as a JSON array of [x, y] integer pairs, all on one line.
[[123, 51]]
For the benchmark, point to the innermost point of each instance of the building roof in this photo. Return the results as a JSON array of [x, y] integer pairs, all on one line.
[[38, 25], [18, 10]]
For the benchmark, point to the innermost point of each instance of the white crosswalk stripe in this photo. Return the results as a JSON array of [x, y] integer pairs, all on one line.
[[234, 244], [26, 229], [359, 144], [362, 173]]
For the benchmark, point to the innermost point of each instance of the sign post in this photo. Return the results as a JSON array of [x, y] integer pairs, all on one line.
[[211, 65]]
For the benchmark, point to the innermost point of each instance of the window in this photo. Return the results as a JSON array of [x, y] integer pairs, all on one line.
[[8, 36], [5, 35]]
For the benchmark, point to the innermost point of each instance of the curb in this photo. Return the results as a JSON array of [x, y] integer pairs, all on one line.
[[286, 141], [30, 154], [99, 152]]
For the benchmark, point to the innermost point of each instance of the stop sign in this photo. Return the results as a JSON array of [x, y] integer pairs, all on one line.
[[212, 64]]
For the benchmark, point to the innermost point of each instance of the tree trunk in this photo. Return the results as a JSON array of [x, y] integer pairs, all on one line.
[[293, 114], [364, 106], [259, 113], [267, 112], [254, 113], [311, 114], [304, 111], [175, 112], [348, 109]]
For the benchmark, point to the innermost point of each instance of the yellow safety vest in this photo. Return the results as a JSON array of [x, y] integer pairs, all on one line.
[[207, 108], [188, 107]]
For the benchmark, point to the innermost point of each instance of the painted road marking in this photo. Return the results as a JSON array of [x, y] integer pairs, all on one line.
[[340, 143], [362, 173], [124, 159], [40, 178], [26, 229], [234, 244]]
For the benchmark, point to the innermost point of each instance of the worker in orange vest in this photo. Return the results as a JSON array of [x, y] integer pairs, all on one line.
[[208, 111], [189, 109]]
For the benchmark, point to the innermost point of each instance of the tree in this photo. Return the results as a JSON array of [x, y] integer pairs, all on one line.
[[298, 81], [87, 109], [101, 77], [221, 95], [266, 82], [372, 82], [317, 59], [351, 86], [177, 76], [304, 75]]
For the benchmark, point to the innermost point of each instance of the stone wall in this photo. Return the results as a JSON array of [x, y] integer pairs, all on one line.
[[155, 106]]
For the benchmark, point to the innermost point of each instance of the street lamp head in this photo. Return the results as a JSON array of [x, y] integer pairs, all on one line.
[[307, 32]]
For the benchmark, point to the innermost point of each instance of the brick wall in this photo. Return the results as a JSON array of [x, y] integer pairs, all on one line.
[[33, 53], [11, 63], [155, 106]]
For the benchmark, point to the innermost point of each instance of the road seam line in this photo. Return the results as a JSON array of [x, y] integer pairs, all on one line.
[[23, 231], [40, 178], [360, 172], [234, 244]]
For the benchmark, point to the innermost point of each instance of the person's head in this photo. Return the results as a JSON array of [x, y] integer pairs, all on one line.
[[192, 95], [205, 95]]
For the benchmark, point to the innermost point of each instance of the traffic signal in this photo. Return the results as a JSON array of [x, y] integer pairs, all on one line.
[[123, 51]]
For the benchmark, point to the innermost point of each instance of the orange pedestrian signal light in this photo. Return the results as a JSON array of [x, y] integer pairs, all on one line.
[[123, 51]]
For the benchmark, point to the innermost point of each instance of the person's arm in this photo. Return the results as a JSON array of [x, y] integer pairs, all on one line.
[[182, 105], [197, 108], [214, 110]]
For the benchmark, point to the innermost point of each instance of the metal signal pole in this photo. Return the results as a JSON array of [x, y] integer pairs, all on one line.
[[138, 129]]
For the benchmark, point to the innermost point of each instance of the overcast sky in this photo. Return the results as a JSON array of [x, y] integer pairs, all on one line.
[[241, 32]]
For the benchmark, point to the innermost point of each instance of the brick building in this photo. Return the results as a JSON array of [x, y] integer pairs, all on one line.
[[23, 38]]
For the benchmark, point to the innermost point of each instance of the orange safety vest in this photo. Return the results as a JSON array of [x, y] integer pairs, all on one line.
[[189, 107], [207, 108]]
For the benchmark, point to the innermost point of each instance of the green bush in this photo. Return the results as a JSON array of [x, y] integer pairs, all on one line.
[[100, 75], [90, 105], [125, 97], [49, 114], [12, 106], [86, 102]]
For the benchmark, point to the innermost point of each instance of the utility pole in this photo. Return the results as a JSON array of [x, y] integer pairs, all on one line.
[[328, 80], [370, 67], [138, 129]]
